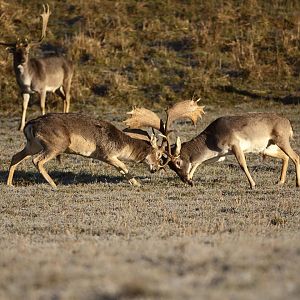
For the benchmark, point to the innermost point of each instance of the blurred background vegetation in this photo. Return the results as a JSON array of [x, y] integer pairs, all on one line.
[[157, 52]]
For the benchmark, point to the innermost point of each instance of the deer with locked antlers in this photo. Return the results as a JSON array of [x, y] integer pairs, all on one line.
[[50, 135], [53, 134], [144, 118], [264, 133], [40, 75]]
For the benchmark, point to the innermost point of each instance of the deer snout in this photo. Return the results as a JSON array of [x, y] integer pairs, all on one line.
[[153, 168]]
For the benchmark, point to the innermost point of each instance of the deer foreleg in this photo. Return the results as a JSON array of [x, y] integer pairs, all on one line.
[[121, 167], [192, 171], [239, 154], [25, 105]]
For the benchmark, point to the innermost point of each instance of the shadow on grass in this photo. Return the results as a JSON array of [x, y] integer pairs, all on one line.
[[289, 99], [61, 178]]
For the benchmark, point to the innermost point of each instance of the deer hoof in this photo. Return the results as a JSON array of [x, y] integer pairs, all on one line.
[[134, 182], [190, 182]]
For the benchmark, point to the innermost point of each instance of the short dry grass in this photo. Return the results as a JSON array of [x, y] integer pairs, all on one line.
[[96, 237]]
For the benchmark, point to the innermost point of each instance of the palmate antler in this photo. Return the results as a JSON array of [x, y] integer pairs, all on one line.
[[182, 110], [144, 118], [45, 17], [137, 134]]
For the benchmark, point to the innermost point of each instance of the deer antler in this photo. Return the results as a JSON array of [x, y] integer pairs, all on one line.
[[184, 109], [8, 44], [45, 17], [142, 117], [137, 134]]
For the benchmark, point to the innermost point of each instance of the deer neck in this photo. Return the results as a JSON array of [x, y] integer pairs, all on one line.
[[197, 149], [23, 71], [135, 150]]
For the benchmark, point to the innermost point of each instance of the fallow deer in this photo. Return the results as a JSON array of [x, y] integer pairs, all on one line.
[[264, 133], [40, 75], [53, 134]]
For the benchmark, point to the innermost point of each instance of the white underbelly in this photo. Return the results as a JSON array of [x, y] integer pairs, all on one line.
[[52, 88], [257, 146], [80, 145]]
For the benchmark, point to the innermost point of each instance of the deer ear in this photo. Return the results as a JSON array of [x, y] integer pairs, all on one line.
[[153, 141], [10, 49], [178, 146], [26, 44]]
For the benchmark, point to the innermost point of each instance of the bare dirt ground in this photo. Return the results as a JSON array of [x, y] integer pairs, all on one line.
[[96, 237]]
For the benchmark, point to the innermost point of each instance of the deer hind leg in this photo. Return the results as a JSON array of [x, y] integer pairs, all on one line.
[[39, 162], [16, 159], [66, 89], [24, 109], [121, 167], [61, 93], [274, 151], [239, 154], [30, 149], [285, 146]]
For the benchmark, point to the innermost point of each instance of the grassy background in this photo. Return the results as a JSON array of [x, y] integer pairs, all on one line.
[[157, 52], [96, 237]]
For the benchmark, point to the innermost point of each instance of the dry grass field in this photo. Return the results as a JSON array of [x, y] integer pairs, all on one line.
[[98, 238]]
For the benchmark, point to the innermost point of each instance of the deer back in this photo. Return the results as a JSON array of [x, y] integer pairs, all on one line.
[[79, 134], [44, 73], [253, 132]]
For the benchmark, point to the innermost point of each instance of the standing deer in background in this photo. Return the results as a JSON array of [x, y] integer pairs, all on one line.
[[40, 75], [264, 133], [53, 134]]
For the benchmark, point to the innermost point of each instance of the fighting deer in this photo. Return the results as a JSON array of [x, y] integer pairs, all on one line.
[[40, 75], [50, 135], [264, 133]]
